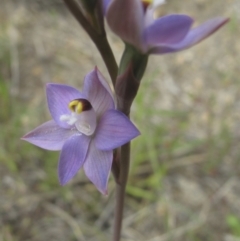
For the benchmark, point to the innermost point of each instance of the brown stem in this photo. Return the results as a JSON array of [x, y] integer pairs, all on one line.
[[120, 191], [99, 39]]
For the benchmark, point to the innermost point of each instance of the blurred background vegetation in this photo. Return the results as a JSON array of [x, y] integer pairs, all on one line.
[[184, 182]]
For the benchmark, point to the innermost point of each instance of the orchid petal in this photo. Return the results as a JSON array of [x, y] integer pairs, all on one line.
[[104, 82], [193, 37], [149, 16], [157, 3], [72, 157], [86, 122], [114, 130], [105, 4], [168, 29], [58, 97], [97, 167], [97, 93], [126, 19], [49, 136]]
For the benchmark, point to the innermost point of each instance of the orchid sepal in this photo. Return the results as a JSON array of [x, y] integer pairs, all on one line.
[[80, 120]]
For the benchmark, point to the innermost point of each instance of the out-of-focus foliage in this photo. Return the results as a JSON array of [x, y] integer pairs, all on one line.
[[184, 180]]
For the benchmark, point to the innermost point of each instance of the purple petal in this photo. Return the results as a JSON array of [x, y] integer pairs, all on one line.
[[126, 19], [104, 82], [58, 97], [193, 37], [105, 4], [72, 157], [98, 92], [168, 29], [149, 16], [114, 130], [49, 136], [97, 167]]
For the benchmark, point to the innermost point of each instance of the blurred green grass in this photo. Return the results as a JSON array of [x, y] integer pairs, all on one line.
[[186, 148]]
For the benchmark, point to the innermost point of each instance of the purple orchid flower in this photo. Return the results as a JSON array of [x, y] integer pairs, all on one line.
[[133, 21], [86, 127]]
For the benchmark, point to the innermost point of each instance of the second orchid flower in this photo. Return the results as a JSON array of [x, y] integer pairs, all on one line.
[[134, 23]]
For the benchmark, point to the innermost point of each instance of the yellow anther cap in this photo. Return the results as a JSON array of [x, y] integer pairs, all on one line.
[[147, 1], [79, 105]]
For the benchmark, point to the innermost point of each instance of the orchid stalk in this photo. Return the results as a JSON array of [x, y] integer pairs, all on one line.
[[92, 128], [96, 32]]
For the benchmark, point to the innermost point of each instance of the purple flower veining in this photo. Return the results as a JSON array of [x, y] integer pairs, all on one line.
[[86, 127], [133, 21]]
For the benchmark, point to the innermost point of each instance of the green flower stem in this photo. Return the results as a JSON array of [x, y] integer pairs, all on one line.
[[131, 70], [138, 61], [99, 38], [108, 57], [120, 191]]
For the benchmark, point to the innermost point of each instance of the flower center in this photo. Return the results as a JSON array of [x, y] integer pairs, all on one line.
[[79, 105], [82, 116], [154, 3], [146, 3]]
